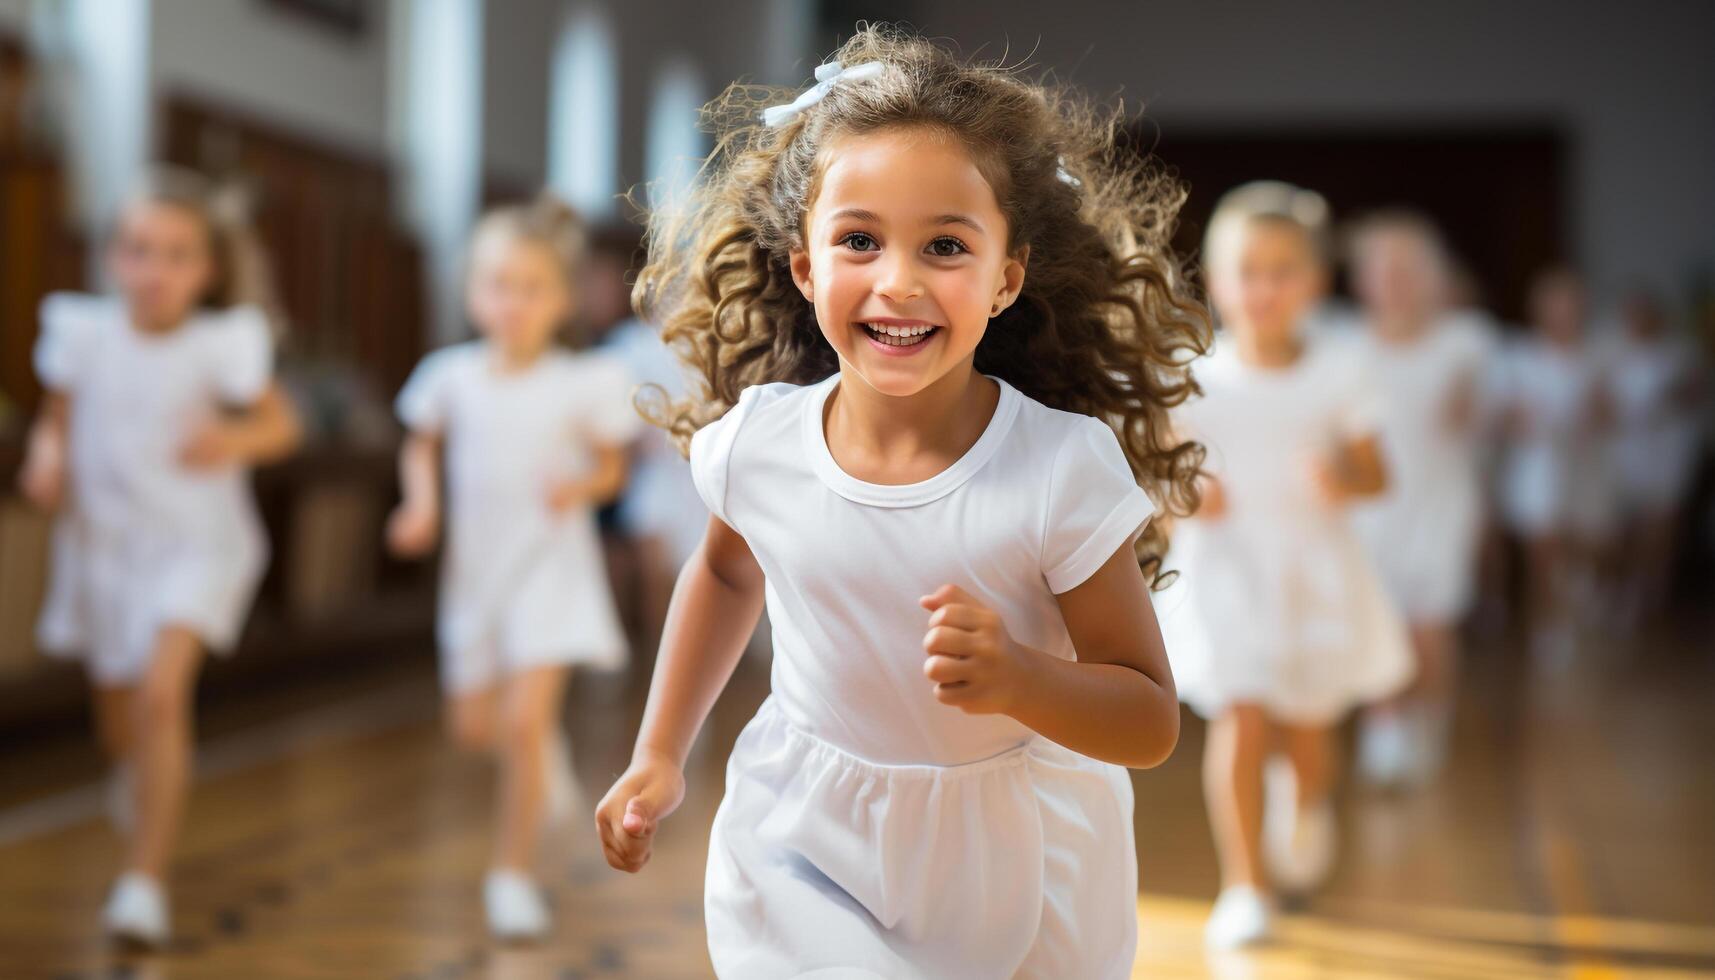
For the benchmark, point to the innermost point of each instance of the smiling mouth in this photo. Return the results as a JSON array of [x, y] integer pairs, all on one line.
[[899, 336]]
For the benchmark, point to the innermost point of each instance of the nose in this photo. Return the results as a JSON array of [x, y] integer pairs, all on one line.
[[897, 278]]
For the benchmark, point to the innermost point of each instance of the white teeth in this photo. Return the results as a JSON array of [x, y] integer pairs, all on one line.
[[896, 331]]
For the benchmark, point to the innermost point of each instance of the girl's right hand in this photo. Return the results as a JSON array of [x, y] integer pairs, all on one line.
[[42, 480], [629, 814], [412, 529]]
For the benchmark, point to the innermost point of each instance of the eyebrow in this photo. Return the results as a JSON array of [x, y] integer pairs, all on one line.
[[859, 214]]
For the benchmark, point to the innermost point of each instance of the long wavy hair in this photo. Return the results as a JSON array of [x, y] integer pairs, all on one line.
[[1107, 322]]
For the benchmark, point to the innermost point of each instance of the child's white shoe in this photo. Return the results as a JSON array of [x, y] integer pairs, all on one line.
[[1242, 916], [137, 910], [1298, 842], [515, 907], [1386, 750]]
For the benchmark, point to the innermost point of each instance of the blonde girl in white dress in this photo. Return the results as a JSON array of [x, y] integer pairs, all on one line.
[[1278, 625], [158, 401], [1431, 364], [939, 327], [533, 439]]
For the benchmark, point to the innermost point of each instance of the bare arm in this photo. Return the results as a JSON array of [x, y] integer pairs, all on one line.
[[265, 432], [1116, 702], [42, 478], [415, 523], [715, 607], [599, 486]]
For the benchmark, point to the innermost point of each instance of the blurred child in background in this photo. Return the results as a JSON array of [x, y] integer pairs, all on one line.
[[159, 400], [533, 439], [1557, 490], [1423, 533], [1657, 389], [1279, 625]]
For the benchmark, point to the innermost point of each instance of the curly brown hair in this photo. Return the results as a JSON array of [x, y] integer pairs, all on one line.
[[1106, 324]]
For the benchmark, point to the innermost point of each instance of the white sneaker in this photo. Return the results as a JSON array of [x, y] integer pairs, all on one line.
[[1242, 916], [515, 907], [137, 910], [121, 797], [1386, 750], [1298, 842], [559, 793]]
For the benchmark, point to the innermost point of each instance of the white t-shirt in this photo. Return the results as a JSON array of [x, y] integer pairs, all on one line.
[[138, 397], [1033, 508]]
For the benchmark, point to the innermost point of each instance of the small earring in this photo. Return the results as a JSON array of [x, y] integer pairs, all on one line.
[[994, 311]]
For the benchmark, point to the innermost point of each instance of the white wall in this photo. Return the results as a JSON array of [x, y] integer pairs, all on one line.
[[296, 72], [14, 16], [1633, 84]]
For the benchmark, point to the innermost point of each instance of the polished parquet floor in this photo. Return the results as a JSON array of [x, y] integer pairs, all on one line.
[[333, 834]]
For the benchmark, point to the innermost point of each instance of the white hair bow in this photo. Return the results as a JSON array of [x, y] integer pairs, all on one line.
[[826, 76]]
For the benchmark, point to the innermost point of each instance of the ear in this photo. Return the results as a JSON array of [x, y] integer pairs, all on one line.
[[1011, 280], [800, 264]]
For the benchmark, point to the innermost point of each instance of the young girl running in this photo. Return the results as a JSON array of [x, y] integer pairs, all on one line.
[[1278, 626], [1422, 534], [936, 307], [534, 438], [159, 400]]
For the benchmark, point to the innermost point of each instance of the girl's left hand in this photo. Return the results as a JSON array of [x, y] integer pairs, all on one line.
[[565, 495], [1327, 481], [213, 443], [974, 663]]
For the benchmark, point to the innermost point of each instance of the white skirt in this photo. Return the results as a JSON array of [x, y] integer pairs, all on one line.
[[111, 591], [527, 595], [824, 864], [1424, 547], [1292, 618]]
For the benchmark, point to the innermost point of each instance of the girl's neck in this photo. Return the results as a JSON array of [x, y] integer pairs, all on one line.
[[906, 439], [1402, 327], [1267, 348], [515, 358], [158, 326]]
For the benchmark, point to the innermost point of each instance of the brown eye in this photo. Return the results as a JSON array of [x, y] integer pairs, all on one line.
[[857, 241], [946, 247]]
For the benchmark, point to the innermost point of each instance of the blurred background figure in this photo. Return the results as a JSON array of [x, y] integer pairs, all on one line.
[[159, 400], [1429, 362], [1657, 390], [1557, 490], [1280, 625], [534, 440]]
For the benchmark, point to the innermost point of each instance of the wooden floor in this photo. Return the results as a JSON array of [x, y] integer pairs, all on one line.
[[333, 835]]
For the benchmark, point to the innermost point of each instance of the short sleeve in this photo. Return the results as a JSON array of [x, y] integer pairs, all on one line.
[[68, 324], [425, 402], [608, 412], [712, 446], [1094, 506], [244, 355]]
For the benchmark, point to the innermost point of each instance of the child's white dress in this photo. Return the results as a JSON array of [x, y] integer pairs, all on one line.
[[146, 542], [1654, 443], [1556, 476], [1277, 604], [869, 830], [521, 585], [1422, 534]]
